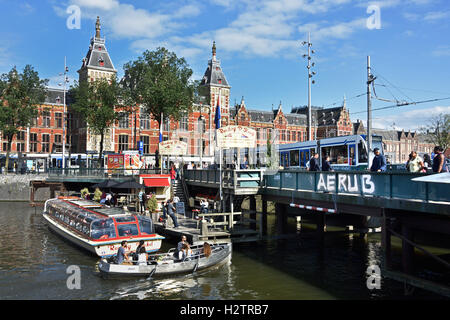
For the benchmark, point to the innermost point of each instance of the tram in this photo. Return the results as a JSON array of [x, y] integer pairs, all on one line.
[[345, 152], [97, 228]]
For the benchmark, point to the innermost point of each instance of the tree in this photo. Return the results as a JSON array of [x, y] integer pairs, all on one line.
[[160, 82], [97, 102], [20, 96], [437, 131]]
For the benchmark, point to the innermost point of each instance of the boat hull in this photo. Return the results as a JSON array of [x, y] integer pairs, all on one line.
[[167, 268], [102, 249]]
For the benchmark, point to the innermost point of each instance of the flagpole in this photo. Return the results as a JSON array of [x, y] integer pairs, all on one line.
[[161, 139], [217, 122]]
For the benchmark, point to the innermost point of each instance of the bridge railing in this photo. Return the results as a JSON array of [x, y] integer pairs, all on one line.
[[101, 172], [386, 184], [230, 178]]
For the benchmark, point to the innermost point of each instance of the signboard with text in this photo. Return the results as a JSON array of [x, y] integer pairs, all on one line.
[[236, 137], [173, 148]]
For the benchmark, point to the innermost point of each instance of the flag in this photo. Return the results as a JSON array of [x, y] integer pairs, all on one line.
[[217, 117], [161, 129]]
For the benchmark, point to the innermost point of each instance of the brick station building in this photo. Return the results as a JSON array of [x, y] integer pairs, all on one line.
[[196, 128]]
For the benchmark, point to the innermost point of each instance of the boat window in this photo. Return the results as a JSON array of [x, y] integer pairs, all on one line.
[[145, 225], [126, 219], [126, 230], [103, 229]]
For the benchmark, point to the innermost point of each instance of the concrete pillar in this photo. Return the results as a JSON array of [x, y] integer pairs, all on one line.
[[321, 223], [204, 228]]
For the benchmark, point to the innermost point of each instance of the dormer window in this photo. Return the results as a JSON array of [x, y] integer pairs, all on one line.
[[58, 100], [220, 81], [101, 62]]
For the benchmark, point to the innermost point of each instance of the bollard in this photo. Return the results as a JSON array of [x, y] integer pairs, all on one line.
[[204, 228]]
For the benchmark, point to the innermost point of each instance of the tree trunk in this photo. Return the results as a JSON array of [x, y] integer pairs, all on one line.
[[7, 154], [100, 156]]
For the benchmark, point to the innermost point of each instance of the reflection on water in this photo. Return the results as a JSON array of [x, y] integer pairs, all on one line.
[[34, 262]]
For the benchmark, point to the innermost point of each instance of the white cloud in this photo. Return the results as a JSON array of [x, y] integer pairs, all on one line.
[[408, 120], [441, 51]]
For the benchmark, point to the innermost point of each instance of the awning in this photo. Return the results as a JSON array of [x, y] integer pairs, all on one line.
[[156, 180]]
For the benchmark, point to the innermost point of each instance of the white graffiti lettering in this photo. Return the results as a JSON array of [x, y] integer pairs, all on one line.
[[346, 183]]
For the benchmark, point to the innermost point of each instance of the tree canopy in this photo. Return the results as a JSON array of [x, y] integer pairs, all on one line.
[[160, 82], [97, 103], [437, 131], [20, 96]]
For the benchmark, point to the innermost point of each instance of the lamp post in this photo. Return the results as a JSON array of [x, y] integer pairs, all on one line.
[[65, 80], [310, 75]]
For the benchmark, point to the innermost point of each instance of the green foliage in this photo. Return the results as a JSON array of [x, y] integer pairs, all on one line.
[[152, 204], [97, 194], [20, 96], [97, 103], [160, 81]]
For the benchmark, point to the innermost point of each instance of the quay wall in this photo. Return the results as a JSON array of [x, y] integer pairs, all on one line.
[[16, 187]]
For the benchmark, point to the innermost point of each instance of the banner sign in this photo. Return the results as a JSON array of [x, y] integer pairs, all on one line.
[[173, 148], [115, 161], [236, 137]]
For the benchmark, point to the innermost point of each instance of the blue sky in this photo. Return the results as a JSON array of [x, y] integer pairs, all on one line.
[[258, 43]]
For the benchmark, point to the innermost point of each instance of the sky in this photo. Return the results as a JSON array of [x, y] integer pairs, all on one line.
[[259, 44]]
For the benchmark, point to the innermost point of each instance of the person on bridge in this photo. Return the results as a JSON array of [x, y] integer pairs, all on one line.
[[314, 162], [415, 163], [439, 164], [378, 162], [326, 164]]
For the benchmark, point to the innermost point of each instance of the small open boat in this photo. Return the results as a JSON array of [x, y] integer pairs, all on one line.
[[166, 264]]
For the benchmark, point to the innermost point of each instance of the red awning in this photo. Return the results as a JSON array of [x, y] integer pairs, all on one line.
[[156, 182]]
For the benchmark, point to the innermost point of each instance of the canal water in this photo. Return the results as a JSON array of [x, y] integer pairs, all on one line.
[[34, 264]]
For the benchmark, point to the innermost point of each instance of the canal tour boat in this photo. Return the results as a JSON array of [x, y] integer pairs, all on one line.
[[166, 264], [97, 228]]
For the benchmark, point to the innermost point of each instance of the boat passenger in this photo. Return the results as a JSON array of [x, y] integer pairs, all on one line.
[[121, 254], [207, 249], [180, 245], [141, 253], [185, 252]]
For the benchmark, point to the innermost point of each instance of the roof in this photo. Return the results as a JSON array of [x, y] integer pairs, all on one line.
[[55, 96], [214, 74]]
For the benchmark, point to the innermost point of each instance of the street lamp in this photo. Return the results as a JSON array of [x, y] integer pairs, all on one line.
[[310, 75], [65, 80]]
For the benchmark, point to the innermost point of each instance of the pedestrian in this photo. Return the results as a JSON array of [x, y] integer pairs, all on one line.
[[173, 174], [142, 197], [439, 164], [326, 164], [204, 206], [171, 211], [314, 162], [378, 162], [415, 163], [427, 161]]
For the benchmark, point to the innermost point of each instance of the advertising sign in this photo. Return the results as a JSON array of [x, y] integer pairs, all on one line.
[[115, 161], [172, 148], [236, 137]]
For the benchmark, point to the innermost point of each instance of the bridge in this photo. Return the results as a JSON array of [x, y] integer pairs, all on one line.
[[390, 201]]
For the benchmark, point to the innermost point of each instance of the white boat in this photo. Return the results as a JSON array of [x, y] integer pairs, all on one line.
[[97, 228], [166, 264]]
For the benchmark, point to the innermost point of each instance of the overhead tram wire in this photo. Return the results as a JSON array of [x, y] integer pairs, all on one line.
[[403, 104], [347, 99], [379, 75]]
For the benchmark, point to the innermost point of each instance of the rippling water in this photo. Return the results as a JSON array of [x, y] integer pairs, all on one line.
[[34, 262]]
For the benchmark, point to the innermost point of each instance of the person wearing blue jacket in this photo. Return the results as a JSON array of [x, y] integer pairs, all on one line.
[[378, 162]]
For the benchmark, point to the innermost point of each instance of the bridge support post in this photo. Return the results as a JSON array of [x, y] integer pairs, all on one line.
[[281, 216], [407, 250], [321, 223], [263, 218], [253, 212], [386, 241]]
